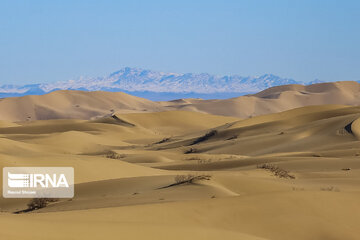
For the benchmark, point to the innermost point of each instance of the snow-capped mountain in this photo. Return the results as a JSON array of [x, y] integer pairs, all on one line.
[[135, 80]]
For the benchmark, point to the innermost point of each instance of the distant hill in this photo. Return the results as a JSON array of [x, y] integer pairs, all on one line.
[[157, 85]]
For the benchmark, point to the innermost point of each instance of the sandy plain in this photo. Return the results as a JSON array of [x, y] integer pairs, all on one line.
[[284, 165]]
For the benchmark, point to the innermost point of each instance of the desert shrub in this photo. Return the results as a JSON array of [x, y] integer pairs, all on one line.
[[182, 178], [205, 137], [203, 161], [191, 150], [114, 155], [279, 172], [190, 178], [330, 189], [37, 203], [187, 179]]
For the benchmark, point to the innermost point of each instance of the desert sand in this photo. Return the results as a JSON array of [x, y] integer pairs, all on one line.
[[190, 168], [72, 104]]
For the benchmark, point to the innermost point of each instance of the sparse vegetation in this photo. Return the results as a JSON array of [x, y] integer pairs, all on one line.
[[205, 137], [188, 179], [279, 172], [37, 203], [114, 155], [203, 161], [199, 160], [191, 150], [330, 189]]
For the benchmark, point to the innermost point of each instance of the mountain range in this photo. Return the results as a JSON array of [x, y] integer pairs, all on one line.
[[158, 85]]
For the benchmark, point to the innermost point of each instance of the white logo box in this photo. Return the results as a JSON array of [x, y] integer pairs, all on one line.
[[38, 182]]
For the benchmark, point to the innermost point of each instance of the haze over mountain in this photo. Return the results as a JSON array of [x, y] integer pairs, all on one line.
[[158, 85]]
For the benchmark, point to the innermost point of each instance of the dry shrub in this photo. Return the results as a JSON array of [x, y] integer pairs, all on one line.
[[279, 172], [114, 155], [204, 161], [191, 150], [187, 179], [190, 178], [330, 189], [37, 203]]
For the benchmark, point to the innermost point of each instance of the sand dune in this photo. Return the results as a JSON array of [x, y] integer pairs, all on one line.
[[285, 175], [239, 201], [277, 99], [70, 104], [91, 105]]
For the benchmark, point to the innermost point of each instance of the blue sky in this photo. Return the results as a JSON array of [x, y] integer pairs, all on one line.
[[46, 41]]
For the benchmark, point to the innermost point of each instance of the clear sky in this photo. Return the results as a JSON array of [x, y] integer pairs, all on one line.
[[45, 41]]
